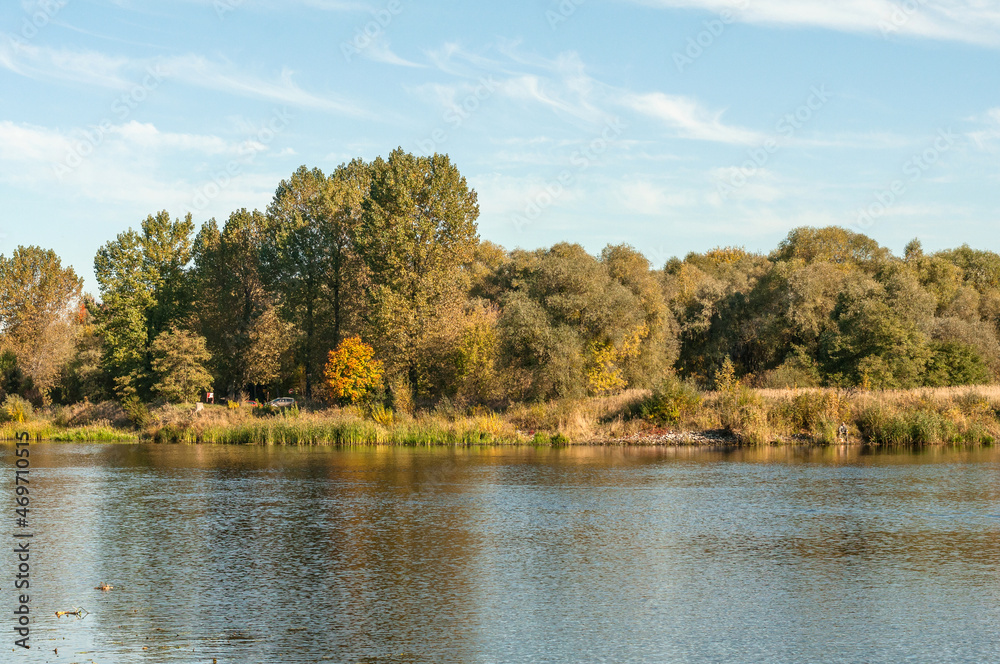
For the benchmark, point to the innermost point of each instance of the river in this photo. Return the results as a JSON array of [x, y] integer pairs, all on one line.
[[269, 554]]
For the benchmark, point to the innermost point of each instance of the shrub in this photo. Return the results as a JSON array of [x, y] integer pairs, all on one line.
[[137, 412], [812, 411], [559, 439], [382, 415], [926, 427], [744, 413], [401, 393], [16, 409], [670, 401], [265, 410], [881, 426], [974, 403]]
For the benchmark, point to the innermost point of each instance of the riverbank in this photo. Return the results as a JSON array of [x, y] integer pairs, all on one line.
[[675, 414]]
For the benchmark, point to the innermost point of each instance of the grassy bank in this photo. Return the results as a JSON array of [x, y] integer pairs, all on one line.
[[675, 413], [969, 415]]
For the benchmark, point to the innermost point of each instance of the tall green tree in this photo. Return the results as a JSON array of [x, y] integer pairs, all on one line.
[[309, 258], [179, 359], [236, 313], [145, 289], [416, 238]]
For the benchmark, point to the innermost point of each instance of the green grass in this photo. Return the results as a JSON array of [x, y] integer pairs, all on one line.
[[44, 430]]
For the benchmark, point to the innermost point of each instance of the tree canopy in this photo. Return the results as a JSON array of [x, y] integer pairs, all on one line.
[[372, 280]]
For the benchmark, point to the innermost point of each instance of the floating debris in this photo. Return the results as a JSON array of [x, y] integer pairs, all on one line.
[[78, 612], [103, 586]]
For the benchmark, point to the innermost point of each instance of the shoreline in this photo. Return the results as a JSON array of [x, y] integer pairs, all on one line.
[[652, 438], [739, 417]]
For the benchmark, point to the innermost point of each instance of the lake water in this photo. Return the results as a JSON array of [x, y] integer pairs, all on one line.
[[251, 554]]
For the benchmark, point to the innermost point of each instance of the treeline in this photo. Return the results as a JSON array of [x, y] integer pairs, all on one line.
[[388, 251]]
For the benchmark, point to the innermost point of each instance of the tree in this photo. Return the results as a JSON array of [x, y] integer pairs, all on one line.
[[309, 254], [145, 289], [179, 358], [566, 324], [38, 302], [658, 347], [878, 340], [954, 363], [831, 245], [236, 313], [352, 372], [417, 231], [83, 377], [457, 355]]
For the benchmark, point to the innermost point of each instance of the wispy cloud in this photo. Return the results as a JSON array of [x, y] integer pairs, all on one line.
[[33, 153], [691, 119], [380, 51], [268, 5], [989, 133], [645, 197], [973, 21], [82, 67], [121, 73], [560, 85], [201, 72]]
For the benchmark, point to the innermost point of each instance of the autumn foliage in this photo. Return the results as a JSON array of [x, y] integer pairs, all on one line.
[[352, 372]]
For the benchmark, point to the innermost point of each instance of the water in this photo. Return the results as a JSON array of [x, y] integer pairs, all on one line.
[[570, 555]]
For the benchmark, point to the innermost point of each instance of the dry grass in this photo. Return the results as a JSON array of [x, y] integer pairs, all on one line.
[[591, 420], [969, 414], [755, 417]]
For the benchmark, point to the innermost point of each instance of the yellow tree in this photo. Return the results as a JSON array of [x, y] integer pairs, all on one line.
[[604, 375], [352, 372]]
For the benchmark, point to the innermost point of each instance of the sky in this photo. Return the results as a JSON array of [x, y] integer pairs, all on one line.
[[670, 125]]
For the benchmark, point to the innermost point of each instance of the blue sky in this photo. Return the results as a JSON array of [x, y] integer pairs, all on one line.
[[672, 125]]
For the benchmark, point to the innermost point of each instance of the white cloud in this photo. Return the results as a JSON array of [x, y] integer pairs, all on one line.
[[201, 72], [690, 119], [93, 68], [82, 67], [560, 85], [146, 136], [973, 21], [379, 51], [125, 163], [647, 198], [761, 185], [990, 132]]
